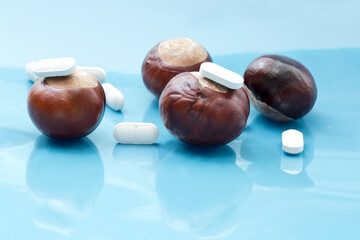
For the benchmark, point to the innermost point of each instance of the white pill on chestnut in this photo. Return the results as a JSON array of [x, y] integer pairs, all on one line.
[[54, 67], [221, 75], [114, 98], [136, 133], [30, 72]]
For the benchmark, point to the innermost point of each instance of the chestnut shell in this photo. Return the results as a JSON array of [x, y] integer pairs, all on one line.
[[284, 85], [202, 116], [65, 113], [156, 73]]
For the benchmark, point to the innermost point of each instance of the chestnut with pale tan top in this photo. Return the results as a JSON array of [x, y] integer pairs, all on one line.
[[169, 58], [69, 106]]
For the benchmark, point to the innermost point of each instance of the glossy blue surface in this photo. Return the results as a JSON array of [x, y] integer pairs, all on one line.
[[249, 189]]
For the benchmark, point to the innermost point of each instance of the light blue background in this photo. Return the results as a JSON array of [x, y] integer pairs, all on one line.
[[94, 189], [116, 35]]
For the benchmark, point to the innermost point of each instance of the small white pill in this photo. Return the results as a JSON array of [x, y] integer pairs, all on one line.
[[221, 75], [114, 98], [97, 72], [29, 71], [292, 141], [136, 133], [53, 67]]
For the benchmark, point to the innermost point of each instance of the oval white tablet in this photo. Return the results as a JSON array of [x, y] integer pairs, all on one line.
[[292, 141], [221, 75], [136, 133], [114, 98], [97, 72], [54, 67], [30, 72]]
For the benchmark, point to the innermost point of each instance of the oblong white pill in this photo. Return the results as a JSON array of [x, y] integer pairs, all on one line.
[[54, 67], [114, 98], [221, 75], [29, 71], [97, 72], [136, 133], [292, 141]]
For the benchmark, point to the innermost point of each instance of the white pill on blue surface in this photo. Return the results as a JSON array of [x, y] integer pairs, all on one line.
[[30, 72], [292, 141], [136, 133], [54, 67], [97, 72], [114, 98], [221, 75]]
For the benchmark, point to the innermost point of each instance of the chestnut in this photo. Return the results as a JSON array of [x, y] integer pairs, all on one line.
[[280, 87], [169, 58], [68, 106], [199, 111]]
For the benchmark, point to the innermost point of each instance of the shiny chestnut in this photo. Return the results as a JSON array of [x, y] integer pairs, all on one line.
[[67, 107], [169, 58], [199, 111], [280, 87]]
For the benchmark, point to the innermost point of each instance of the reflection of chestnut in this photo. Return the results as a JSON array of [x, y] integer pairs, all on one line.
[[52, 175], [201, 190], [67, 107], [280, 87], [199, 111], [169, 58]]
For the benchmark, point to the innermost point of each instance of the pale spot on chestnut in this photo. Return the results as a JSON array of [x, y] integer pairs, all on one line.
[[181, 52], [205, 82], [78, 79]]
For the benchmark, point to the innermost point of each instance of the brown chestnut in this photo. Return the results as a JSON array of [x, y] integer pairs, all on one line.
[[199, 111], [67, 107], [280, 87], [169, 58]]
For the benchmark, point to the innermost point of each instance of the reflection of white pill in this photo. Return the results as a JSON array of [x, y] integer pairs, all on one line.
[[97, 72], [53, 67], [114, 98], [136, 133], [291, 164], [221, 75], [292, 141], [29, 71]]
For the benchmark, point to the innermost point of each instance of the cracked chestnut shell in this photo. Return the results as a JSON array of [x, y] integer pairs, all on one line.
[[280, 87], [198, 111], [67, 107], [169, 58]]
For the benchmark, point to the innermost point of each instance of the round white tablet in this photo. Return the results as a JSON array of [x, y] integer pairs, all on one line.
[[292, 141], [54, 67], [221, 75]]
